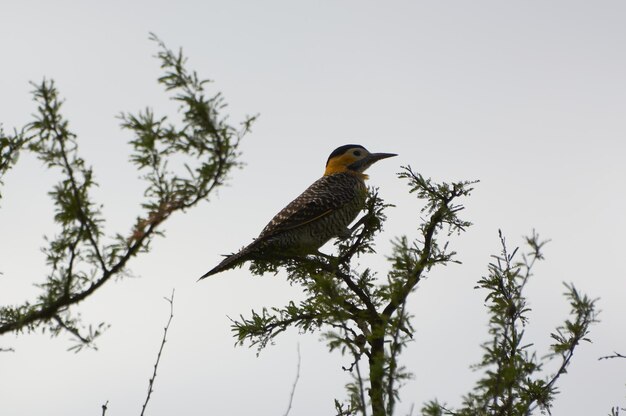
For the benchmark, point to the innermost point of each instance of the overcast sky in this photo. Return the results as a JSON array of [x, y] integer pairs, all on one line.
[[529, 97]]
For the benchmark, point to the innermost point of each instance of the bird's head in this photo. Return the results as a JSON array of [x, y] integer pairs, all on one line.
[[352, 158]]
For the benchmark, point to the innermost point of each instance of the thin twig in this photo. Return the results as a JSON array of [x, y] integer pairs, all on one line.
[[295, 383], [105, 406], [423, 262], [361, 389], [615, 355], [80, 206], [70, 266], [74, 331], [156, 364]]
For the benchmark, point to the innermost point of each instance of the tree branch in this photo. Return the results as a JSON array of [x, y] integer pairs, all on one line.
[[295, 383], [170, 300], [205, 138]]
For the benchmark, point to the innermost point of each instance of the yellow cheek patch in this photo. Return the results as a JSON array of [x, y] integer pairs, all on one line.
[[339, 164]]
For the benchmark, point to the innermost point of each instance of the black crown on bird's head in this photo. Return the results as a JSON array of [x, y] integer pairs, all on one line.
[[342, 149], [352, 158]]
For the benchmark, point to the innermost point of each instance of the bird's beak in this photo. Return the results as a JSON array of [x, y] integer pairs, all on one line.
[[375, 157], [366, 162]]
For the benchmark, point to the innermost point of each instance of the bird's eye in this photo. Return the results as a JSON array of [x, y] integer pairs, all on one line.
[[357, 153]]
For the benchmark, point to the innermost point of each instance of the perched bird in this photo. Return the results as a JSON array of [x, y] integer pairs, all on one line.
[[323, 211]]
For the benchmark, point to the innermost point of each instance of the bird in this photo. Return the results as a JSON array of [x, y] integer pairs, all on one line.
[[323, 211]]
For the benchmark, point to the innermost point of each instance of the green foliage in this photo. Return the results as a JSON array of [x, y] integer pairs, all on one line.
[[9, 151], [359, 314], [513, 382], [80, 256], [364, 316]]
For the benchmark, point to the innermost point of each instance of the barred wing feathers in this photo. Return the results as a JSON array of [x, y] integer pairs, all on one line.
[[323, 197]]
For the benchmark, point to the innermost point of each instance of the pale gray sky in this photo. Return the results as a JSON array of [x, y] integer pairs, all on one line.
[[529, 97]]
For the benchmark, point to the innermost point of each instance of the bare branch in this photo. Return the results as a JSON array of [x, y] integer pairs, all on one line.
[[615, 355], [170, 300], [105, 407], [295, 383]]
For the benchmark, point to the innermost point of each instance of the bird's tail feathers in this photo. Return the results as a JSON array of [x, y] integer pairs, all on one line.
[[228, 263], [233, 260]]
